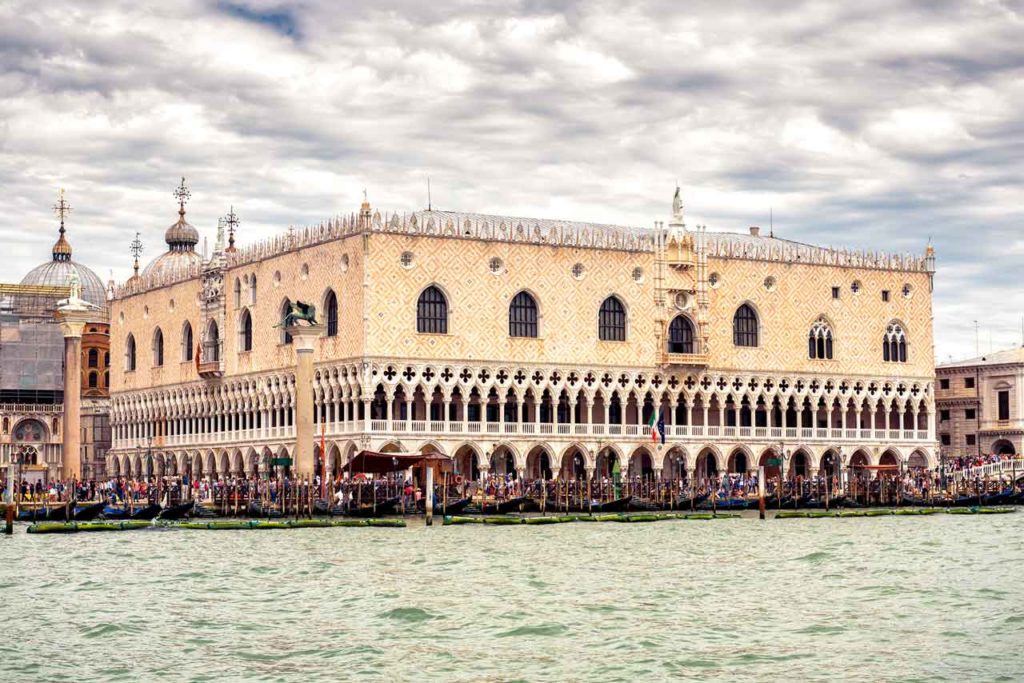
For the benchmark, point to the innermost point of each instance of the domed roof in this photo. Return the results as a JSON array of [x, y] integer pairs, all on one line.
[[181, 240], [173, 263], [55, 274]]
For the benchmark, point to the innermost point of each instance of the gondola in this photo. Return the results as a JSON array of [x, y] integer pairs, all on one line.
[[1004, 497], [1019, 498], [256, 509], [454, 507], [88, 513], [644, 505], [146, 513], [617, 505], [33, 514], [179, 511], [689, 502], [322, 509], [724, 504], [385, 507], [204, 512], [501, 507], [913, 501], [61, 513]]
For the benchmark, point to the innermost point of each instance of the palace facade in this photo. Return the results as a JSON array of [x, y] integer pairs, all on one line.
[[539, 347]]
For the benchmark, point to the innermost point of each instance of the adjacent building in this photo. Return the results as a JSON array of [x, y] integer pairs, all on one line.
[[526, 346], [981, 404], [32, 361]]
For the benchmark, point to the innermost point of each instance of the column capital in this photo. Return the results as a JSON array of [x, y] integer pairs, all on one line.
[[304, 336]]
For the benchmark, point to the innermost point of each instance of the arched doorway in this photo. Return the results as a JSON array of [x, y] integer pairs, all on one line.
[[674, 465], [707, 464], [538, 464], [574, 465], [1004, 447], [640, 464], [467, 463], [738, 462], [608, 465], [829, 464], [917, 461], [503, 462], [772, 464], [799, 465]]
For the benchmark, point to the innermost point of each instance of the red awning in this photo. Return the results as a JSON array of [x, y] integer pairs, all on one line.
[[381, 463]]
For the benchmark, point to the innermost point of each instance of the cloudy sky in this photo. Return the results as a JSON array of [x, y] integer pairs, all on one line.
[[875, 124]]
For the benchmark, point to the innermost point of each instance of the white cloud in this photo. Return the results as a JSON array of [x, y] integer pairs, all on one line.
[[873, 125]]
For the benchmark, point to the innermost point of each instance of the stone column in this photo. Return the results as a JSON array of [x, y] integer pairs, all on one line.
[[72, 321], [304, 341]]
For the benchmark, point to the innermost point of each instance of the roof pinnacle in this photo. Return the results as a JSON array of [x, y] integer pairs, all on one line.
[[62, 248]]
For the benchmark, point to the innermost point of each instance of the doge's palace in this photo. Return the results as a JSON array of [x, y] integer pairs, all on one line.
[[528, 346]]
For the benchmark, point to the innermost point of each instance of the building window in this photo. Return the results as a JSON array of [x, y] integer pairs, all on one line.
[[238, 292], [943, 416], [286, 307], [943, 384], [969, 413], [407, 259], [885, 295], [106, 378], [611, 320], [1004, 405], [971, 440], [94, 379], [680, 335], [252, 291], [211, 348], [186, 341], [522, 316], [106, 359], [129, 353], [894, 344], [158, 347], [638, 274], [94, 358], [496, 266], [432, 312], [945, 439], [855, 287], [744, 326], [835, 292], [968, 382], [819, 341], [245, 331], [578, 271], [331, 309]]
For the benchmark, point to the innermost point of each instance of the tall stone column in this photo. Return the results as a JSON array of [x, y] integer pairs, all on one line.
[[304, 341], [72, 321]]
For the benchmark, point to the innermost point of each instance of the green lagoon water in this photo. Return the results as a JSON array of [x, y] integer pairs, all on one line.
[[937, 598]]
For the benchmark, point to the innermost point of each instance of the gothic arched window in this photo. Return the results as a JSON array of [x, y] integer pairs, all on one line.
[[94, 379], [286, 306], [129, 353], [680, 335], [522, 316], [331, 312], [819, 340], [238, 292], [432, 312], [245, 331], [744, 326], [252, 290], [211, 348], [94, 358], [894, 344], [158, 347], [611, 320], [186, 341]]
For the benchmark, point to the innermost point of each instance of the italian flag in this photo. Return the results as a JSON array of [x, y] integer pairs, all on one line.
[[653, 424]]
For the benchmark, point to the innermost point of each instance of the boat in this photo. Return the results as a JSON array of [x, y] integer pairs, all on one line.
[[146, 513], [644, 505], [90, 512], [205, 512], [385, 507], [179, 511], [321, 508], [1004, 497], [454, 507], [724, 504], [617, 505], [503, 506], [33, 514], [689, 502], [61, 513], [256, 509], [913, 501]]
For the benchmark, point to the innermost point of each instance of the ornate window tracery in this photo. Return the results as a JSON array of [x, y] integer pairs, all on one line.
[[744, 326], [819, 341], [432, 312], [522, 316], [611, 320], [680, 335]]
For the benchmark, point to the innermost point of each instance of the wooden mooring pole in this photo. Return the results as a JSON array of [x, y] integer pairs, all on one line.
[[760, 492]]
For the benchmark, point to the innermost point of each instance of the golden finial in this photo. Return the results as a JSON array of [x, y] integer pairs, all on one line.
[[182, 194]]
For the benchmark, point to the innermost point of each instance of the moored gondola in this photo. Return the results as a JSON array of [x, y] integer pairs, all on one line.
[[88, 513], [644, 505], [33, 514], [61, 513], [256, 509], [454, 507], [146, 513], [388, 506], [201, 510], [688, 502], [724, 504], [503, 506], [617, 505], [1004, 497], [179, 511]]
